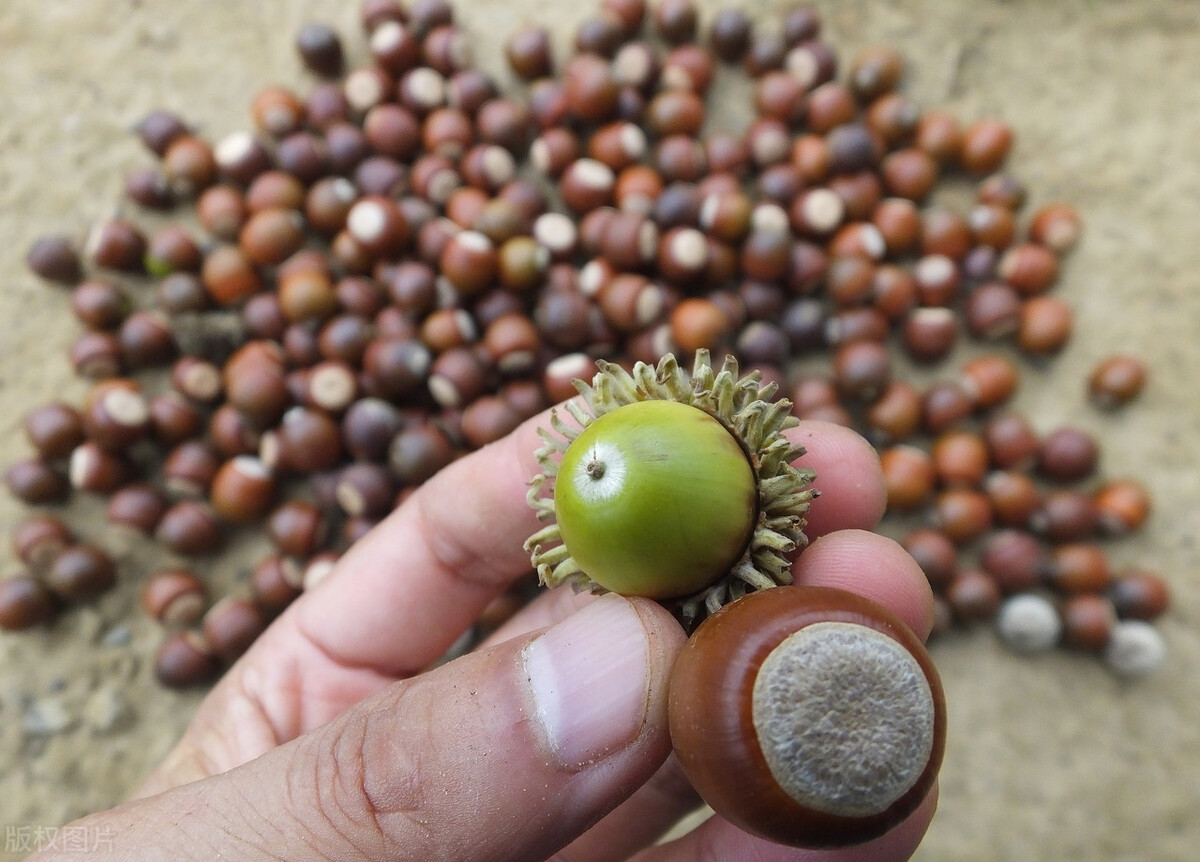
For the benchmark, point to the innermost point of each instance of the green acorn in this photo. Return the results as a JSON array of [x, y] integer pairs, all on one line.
[[675, 487]]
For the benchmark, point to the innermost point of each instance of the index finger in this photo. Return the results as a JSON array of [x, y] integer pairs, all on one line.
[[402, 594]]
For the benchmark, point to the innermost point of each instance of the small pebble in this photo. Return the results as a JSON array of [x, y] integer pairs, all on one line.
[[1028, 623], [106, 710], [47, 717], [1135, 649], [117, 636]]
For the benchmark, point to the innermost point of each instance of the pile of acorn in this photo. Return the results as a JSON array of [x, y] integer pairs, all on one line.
[[404, 263]]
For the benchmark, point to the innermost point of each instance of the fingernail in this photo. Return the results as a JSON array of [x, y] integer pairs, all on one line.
[[589, 678]]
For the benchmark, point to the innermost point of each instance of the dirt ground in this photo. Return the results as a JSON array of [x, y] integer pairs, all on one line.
[[1049, 759]]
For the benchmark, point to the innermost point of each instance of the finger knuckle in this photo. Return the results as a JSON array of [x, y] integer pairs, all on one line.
[[368, 789]]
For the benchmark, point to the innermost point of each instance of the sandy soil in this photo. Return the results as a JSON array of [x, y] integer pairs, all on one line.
[[1050, 759]]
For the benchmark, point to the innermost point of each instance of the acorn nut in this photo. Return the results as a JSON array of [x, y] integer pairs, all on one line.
[[809, 716], [678, 488]]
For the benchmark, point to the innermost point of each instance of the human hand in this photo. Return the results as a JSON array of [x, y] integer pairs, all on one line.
[[327, 742]]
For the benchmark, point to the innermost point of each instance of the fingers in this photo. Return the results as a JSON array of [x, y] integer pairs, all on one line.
[[859, 561], [872, 566], [546, 609], [855, 560], [505, 754], [396, 601], [642, 820], [848, 476], [404, 592], [716, 838], [401, 595]]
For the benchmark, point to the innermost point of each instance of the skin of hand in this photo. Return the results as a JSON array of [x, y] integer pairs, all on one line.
[[327, 741]]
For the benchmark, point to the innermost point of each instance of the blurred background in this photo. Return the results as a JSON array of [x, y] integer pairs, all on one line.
[[1049, 758]]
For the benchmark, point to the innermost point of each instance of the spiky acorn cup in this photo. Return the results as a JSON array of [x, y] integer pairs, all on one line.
[[673, 486]]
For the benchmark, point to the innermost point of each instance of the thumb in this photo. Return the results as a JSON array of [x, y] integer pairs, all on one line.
[[504, 754]]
